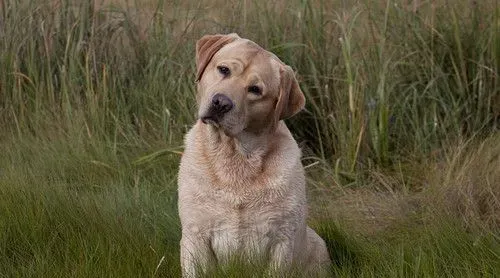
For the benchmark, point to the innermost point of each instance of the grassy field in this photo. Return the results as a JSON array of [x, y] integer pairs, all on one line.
[[400, 134]]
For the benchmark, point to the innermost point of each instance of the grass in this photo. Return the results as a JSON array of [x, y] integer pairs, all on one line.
[[400, 133]]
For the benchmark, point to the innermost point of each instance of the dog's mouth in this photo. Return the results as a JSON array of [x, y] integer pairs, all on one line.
[[211, 121], [220, 123], [212, 117], [219, 107]]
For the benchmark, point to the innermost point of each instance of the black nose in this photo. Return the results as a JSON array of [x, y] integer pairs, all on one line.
[[221, 104]]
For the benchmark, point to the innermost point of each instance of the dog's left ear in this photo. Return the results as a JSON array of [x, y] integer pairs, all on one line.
[[291, 99], [207, 46]]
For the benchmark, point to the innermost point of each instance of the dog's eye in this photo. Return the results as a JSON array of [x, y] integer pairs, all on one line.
[[224, 70], [254, 90]]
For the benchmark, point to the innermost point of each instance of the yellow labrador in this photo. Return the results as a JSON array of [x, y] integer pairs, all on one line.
[[241, 181]]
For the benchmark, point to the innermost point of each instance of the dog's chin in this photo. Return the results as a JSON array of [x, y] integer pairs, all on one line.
[[221, 126]]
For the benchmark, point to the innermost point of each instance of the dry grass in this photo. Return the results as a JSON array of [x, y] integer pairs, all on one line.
[[468, 186], [463, 184]]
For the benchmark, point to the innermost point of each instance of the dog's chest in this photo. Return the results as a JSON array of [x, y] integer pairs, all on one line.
[[245, 228]]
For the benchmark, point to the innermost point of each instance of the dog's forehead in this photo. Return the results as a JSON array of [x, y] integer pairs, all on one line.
[[246, 51], [240, 48]]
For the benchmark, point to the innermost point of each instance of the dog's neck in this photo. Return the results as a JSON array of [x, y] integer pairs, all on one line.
[[236, 160], [246, 143]]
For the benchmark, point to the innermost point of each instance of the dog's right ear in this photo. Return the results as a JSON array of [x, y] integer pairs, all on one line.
[[207, 46], [291, 99]]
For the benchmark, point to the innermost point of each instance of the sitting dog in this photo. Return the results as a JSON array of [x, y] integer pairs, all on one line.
[[241, 181]]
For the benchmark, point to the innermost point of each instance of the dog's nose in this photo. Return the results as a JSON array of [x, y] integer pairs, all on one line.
[[221, 104]]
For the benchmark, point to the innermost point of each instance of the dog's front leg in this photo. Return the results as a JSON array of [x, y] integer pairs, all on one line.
[[281, 256], [196, 255]]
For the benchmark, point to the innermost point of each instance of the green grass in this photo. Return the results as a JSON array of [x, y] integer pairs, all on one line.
[[400, 132], [83, 213]]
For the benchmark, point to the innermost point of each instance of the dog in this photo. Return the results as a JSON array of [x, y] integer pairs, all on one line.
[[241, 181]]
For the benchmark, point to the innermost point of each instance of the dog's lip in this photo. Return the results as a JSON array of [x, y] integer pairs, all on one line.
[[211, 117], [210, 120]]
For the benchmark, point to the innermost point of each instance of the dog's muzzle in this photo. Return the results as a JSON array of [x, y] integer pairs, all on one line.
[[220, 105]]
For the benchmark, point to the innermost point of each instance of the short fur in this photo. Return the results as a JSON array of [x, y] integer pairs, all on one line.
[[241, 181]]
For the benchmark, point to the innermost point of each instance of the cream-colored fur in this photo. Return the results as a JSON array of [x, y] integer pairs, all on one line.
[[241, 181]]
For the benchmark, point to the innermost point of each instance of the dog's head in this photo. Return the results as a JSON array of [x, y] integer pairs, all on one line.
[[241, 86]]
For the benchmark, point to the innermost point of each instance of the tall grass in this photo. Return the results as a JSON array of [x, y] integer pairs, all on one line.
[[381, 80], [69, 66], [400, 131]]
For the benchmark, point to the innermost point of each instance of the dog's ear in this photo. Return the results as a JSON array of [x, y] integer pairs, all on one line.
[[206, 47], [291, 99]]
